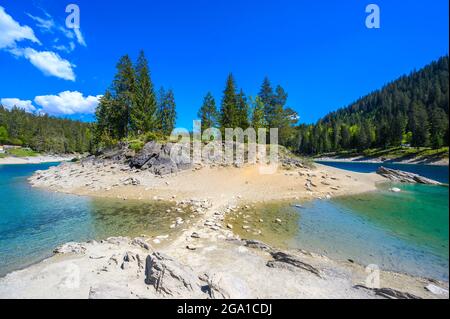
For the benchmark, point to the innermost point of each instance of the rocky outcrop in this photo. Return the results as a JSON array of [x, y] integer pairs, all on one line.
[[70, 248], [404, 177], [285, 261], [156, 158], [170, 278], [389, 293]]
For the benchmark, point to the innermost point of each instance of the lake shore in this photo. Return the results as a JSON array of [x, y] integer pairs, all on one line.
[[207, 252], [11, 160], [362, 159]]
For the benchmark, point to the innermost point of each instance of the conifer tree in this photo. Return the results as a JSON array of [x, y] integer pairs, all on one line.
[[208, 112], [124, 89], [419, 125], [258, 118], [166, 114], [267, 98], [242, 111], [143, 113], [228, 110], [438, 127]]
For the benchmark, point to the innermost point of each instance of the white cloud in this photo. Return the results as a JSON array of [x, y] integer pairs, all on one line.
[[67, 103], [80, 37], [9, 103], [50, 63], [11, 31], [43, 24]]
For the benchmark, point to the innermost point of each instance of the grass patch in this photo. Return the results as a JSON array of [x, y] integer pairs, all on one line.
[[22, 152]]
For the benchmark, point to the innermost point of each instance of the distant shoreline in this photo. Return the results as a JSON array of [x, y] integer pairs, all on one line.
[[442, 162], [41, 159]]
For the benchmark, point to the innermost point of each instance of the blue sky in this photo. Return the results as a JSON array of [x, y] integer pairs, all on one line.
[[320, 51]]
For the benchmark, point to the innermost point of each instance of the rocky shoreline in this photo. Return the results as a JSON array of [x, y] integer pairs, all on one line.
[[207, 260]]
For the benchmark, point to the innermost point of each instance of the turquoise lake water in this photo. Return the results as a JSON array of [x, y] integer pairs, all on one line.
[[405, 231], [33, 222]]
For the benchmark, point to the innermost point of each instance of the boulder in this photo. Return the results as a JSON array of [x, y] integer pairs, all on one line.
[[436, 290], [150, 150], [170, 278]]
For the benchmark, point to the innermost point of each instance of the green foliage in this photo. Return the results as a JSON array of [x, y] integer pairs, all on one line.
[[4, 136], [208, 112], [228, 110], [258, 115], [130, 107], [143, 112], [411, 110], [22, 152], [43, 133], [166, 114], [136, 145]]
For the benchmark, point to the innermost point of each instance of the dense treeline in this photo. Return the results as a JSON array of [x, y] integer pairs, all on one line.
[[411, 110], [43, 133], [267, 110], [131, 107]]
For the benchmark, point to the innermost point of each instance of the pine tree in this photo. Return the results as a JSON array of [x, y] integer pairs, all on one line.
[[258, 118], [267, 98], [143, 113], [228, 110], [242, 111], [166, 114], [124, 87], [438, 127], [419, 125], [208, 112]]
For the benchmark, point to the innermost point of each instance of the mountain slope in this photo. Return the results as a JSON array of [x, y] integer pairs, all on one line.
[[411, 110]]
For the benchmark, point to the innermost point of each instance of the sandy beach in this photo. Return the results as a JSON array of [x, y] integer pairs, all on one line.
[[207, 252]]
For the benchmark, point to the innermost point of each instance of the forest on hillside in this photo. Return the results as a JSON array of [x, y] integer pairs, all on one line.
[[44, 133], [412, 110]]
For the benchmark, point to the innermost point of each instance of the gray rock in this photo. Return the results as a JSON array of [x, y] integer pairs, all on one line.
[[256, 244], [226, 286], [141, 242], [405, 177], [70, 248], [389, 293], [437, 290], [285, 261], [171, 278]]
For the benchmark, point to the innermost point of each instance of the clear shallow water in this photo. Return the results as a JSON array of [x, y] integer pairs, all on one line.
[[404, 232], [33, 222]]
